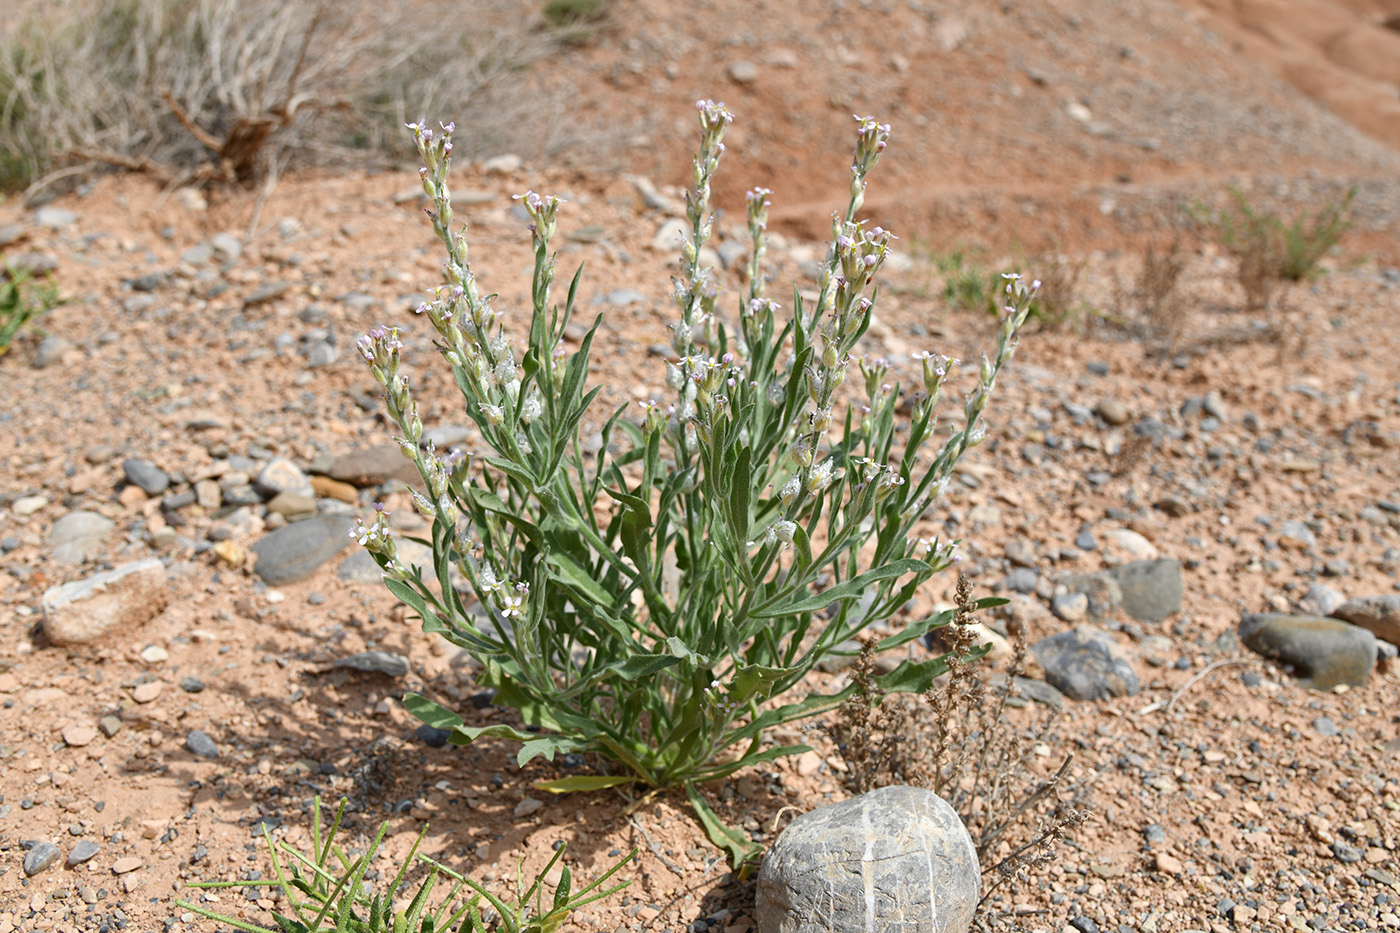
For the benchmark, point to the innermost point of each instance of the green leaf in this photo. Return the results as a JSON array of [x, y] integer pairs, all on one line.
[[583, 782], [848, 590], [743, 853], [430, 713], [572, 574], [466, 735], [757, 758], [578, 365], [642, 665], [912, 677], [513, 470], [546, 746], [755, 680], [739, 497], [680, 650]]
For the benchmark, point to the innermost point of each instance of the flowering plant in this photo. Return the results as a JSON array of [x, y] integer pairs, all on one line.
[[646, 602]]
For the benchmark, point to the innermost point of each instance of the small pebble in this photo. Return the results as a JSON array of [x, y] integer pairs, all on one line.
[[1325, 726], [84, 850], [1347, 853], [40, 857], [432, 736], [191, 684], [200, 744]]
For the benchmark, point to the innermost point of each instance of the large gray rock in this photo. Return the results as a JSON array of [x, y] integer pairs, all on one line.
[[1379, 614], [79, 536], [127, 597], [295, 552], [1151, 588], [1085, 664], [895, 860], [1323, 652]]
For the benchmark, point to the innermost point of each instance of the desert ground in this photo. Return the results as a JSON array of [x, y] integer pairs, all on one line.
[[208, 331]]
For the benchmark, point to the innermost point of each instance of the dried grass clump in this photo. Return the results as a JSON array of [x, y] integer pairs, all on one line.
[[230, 90], [958, 742]]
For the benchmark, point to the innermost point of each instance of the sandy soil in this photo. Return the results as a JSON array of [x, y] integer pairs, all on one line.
[[1260, 812]]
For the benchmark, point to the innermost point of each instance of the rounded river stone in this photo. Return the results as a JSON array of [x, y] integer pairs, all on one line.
[[895, 860]]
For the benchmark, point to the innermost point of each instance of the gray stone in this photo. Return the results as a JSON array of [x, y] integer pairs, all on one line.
[[198, 254], [502, 164], [281, 475], [49, 351], [1345, 852], [199, 743], [1085, 539], [1156, 650], [1296, 536], [669, 234], [1378, 614], [1113, 411], [841, 657], [1020, 552], [79, 536], [40, 857], [895, 860], [34, 263], [445, 436], [1040, 692], [1320, 600], [268, 291], [322, 353], [732, 253], [372, 466], [743, 72], [147, 475], [1151, 589], [55, 217], [295, 552], [85, 850], [359, 567], [228, 246], [1085, 664], [126, 597], [1070, 607], [1020, 580], [291, 505], [622, 297], [1102, 591], [377, 662], [1325, 726], [1323, 652]]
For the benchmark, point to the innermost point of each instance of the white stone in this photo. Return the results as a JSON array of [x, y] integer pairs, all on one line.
[[897, 858], [81, 612]]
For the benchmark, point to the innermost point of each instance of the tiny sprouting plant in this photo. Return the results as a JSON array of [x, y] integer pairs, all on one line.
[[966, 284], [21, 302], [646, 602], [326, 892]]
